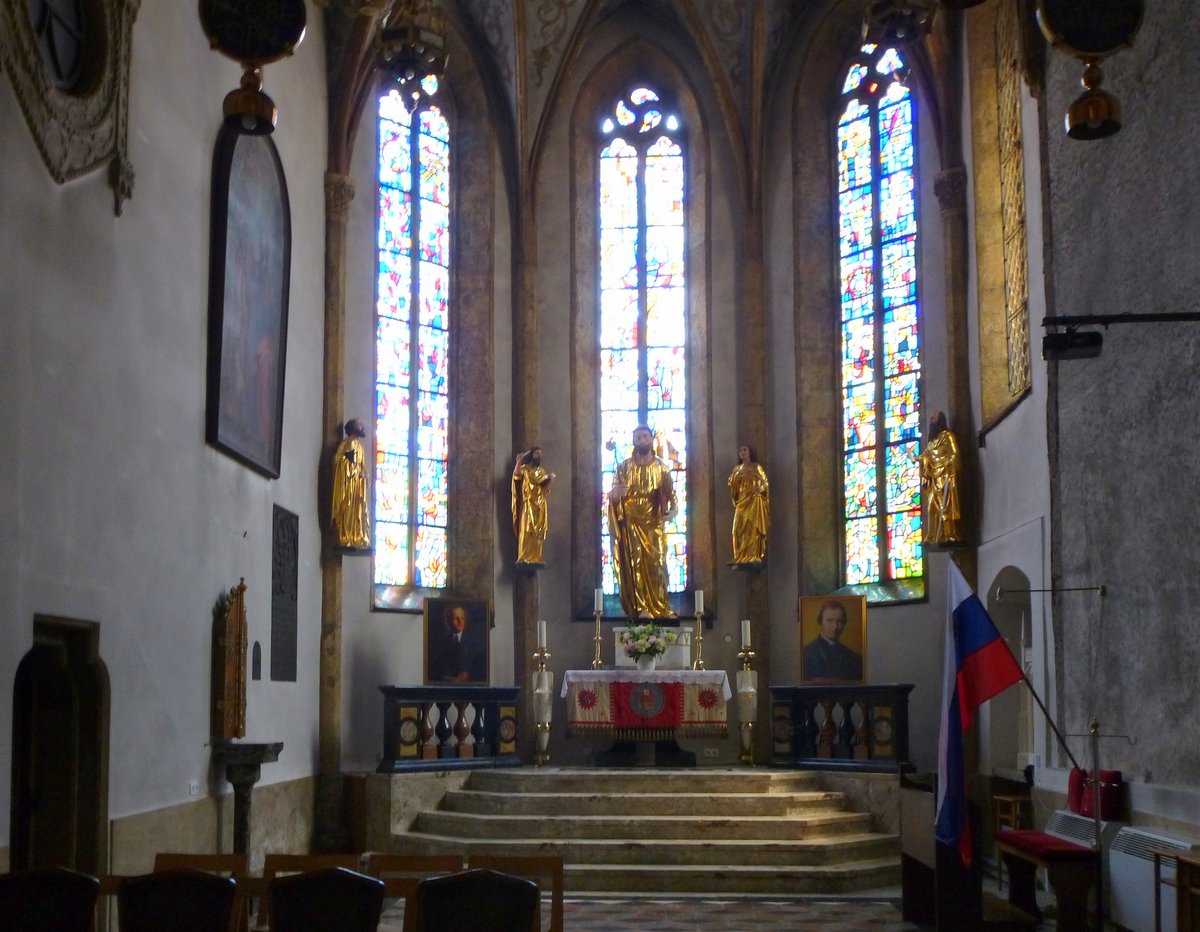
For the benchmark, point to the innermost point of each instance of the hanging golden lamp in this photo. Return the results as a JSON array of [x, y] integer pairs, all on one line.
[[896, 22], [412, 50], [1091, 30]]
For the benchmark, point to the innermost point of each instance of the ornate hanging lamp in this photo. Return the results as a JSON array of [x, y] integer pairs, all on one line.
[[1091, 30], [896, 22], [412, 49], [252, 35]]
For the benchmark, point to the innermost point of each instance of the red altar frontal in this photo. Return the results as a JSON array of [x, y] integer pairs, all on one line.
[[630, 705]]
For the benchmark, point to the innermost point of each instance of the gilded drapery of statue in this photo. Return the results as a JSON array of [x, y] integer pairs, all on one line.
[[530, 508], [940, 467], [751, 510], [640, 504], [351, 520]]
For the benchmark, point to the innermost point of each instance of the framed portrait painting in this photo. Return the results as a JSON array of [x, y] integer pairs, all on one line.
[[250, 251], [833, 639], [456, 641]]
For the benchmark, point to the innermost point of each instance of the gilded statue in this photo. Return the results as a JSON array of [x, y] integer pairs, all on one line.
[[530, 508], [641, 502], [351, 520], [751, 511], [941, 466]]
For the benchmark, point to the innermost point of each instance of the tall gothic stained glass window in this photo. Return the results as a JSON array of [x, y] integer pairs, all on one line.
[[881, 363], [643, 303], [412, 342]]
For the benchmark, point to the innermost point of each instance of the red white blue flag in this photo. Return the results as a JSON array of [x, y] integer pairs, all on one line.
[[978, 665]]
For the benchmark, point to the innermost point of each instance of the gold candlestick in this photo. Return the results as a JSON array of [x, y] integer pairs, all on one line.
[[597, 663], [698, 663]]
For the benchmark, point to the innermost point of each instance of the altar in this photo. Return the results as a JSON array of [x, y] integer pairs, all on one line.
[[628, 705]]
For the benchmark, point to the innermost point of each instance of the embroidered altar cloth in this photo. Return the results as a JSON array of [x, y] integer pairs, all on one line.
[[631, 705]]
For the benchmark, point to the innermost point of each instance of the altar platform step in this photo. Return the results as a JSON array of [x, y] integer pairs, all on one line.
[[726, 831]]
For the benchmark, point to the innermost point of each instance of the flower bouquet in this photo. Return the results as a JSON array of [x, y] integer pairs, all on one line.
[[646, 643]]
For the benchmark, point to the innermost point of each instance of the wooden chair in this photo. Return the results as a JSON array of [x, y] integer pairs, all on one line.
[[328, 900], [401, 873], [545, 870], [275, 865], [180, 900], [48, 900], [232, 865], [474, 900]]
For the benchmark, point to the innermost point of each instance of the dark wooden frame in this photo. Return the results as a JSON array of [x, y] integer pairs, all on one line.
[[249, 280], [479, 616]]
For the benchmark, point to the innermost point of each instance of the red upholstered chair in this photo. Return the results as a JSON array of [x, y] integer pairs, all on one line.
[[48, 900], [179, 900]]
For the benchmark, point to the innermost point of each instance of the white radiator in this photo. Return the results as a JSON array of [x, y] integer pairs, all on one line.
[[1067, 825], [1131, 880]]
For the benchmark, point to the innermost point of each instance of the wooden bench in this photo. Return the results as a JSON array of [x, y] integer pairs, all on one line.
[[1070, 867]]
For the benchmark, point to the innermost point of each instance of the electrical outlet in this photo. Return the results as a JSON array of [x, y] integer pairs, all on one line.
[[193, 787], [712, 752]]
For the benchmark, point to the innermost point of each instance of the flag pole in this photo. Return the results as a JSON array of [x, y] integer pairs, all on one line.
[[1049, 721]]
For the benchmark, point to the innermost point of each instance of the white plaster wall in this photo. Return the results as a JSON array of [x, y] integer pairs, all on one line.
[[115, 510]]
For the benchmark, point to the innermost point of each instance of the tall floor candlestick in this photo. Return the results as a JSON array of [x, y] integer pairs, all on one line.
[[543, 702], [747, 690]]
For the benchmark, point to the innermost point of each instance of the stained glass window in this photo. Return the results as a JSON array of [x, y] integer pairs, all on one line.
[[643, 304], [411, 351], [881, 361]]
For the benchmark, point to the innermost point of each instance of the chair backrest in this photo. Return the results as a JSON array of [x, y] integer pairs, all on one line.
[[545, 869], [180, 900], [328, 900], [232, 865], [401, 873], [276, 865], [476, 900], [48, 900]]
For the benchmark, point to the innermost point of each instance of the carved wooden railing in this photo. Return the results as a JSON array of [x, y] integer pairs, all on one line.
[[852, 726], [448, 727]]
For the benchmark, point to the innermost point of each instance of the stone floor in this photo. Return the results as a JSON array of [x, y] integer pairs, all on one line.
[[878, 910]]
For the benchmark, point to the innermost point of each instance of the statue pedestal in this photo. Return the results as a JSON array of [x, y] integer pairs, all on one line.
[[243, 762]]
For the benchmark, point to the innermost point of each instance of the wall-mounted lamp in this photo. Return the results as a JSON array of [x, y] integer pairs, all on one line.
[[1073, 343], [1091, 30], [412, 50]]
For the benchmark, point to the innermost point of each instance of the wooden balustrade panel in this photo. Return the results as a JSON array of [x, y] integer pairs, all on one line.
[[846, 726], [449, 727]]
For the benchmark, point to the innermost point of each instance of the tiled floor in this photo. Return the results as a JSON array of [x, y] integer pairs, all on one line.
[[740, 914]]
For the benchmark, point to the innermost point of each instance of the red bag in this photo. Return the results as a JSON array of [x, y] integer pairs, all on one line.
[[1081, 793]]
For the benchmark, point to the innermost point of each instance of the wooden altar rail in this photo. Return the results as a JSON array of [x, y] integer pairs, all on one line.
[[844, 726], [448, 727]]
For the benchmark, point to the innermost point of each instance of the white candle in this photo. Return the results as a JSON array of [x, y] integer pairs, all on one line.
[[745, 632], [598, 601], [541, 634], [699, 601]]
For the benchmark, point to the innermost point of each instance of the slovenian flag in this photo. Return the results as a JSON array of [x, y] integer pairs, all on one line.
[[978, 665]]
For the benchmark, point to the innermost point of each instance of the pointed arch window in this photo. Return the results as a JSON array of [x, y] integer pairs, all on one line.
[[411, 351], [880, 334], [643, 303]]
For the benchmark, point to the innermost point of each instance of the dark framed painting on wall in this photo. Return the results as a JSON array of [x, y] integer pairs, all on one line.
[[456, 641], [249, 275], [833, 639]]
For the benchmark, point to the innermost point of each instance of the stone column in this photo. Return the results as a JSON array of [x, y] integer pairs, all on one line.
[[951, 190], [339, 192]]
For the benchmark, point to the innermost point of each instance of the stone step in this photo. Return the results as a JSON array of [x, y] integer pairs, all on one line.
[[676, 804], [724, 879], [694, 828], [818, 852], [615, 781]]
